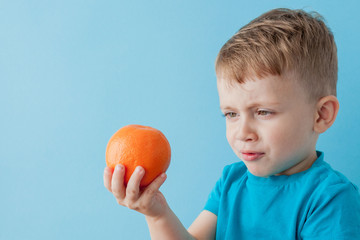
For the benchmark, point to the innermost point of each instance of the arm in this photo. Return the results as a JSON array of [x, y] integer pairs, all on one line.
[[204, 226], [167, 227], [162, 222]]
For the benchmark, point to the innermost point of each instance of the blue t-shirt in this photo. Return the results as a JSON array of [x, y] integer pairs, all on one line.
[[318, 203]]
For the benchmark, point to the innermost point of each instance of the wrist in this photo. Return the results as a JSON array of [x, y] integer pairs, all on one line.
[[167, 226], [164, 216]]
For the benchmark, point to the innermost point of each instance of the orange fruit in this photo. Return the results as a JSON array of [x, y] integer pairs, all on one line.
[[136, 145]]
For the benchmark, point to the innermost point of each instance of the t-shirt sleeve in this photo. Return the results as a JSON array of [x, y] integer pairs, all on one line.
[[335, 215], [213, 201]]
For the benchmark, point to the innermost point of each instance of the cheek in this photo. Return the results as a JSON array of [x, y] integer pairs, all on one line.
[[288, 136], [230, 136]]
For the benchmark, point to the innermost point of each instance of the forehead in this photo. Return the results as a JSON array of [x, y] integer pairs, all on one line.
[[270, 89]]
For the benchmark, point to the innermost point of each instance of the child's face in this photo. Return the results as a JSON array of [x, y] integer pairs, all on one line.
[[269, 125]]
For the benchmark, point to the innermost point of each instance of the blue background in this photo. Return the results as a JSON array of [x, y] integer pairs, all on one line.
[[74, 72]]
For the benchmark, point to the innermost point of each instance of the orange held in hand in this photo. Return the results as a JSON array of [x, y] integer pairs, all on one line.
[[136, 145]]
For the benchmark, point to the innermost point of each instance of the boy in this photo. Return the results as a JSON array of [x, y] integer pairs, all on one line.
[[277, 88]]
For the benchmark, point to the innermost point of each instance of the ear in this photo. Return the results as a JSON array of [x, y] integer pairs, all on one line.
[[326, 111]]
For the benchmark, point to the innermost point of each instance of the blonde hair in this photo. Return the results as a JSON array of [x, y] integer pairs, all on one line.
[[283, 41]]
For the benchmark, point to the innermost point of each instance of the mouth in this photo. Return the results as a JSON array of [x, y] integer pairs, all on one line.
[[251, 156]]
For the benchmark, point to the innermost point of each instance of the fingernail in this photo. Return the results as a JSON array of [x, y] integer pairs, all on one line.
[[138, 169], [119, 167]]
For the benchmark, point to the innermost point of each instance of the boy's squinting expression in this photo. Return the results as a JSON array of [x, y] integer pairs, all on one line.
[[269, 124]]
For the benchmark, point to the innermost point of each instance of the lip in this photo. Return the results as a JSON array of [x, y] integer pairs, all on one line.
[[251, 156]]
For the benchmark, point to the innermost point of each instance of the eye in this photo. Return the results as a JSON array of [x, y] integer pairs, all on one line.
[[264, 113], [229, 115]]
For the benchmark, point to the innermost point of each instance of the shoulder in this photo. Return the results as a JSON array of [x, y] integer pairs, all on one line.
[[233, 173], [326, 179], [332, 198], [336, 188], [234, 170], [331, 189]]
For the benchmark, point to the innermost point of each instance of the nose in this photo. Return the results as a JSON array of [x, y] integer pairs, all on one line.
[[246, 131]]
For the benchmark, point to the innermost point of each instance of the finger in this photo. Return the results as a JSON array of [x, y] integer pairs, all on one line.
[[108, 172], [133, 187], [117, 182], [154, 186]]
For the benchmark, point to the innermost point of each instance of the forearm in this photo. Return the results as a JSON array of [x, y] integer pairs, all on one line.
[[167, 227]]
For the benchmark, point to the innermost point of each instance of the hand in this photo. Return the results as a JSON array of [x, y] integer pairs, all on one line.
[[148, 201]]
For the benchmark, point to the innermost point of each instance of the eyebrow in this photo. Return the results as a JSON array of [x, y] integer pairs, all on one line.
[[252, 105]]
